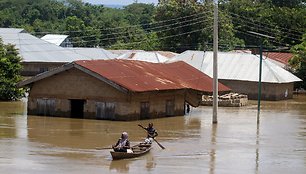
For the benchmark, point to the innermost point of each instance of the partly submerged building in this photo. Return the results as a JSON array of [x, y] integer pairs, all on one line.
[[240, 72], [39, 55], [117, 90]]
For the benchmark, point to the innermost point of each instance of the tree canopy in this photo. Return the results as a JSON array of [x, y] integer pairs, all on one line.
[[9, 73], [298, 62], [175, 25]]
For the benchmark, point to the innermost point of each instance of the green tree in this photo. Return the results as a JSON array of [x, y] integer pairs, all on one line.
[[288, 3], [298, 62], [284, 20], [9, 73], [139, 13], [186, 25]]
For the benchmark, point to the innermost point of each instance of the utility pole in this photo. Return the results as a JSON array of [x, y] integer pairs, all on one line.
[[215, 64], [261, 36], [259, 82]]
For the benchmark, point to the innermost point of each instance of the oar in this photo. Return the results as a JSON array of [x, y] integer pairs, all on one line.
[[161, 146]]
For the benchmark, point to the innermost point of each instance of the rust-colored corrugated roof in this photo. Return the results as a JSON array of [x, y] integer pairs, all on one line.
[[278, 56], [140, 76]]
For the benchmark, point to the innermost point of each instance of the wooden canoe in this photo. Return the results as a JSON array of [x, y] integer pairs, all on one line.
[[138, 150]]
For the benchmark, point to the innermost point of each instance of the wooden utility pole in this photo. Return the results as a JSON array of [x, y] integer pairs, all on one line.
[[215, 64]]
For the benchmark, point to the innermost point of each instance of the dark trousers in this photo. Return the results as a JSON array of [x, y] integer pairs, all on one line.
[[120, 150]]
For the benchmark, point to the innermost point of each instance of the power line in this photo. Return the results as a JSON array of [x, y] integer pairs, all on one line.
[[282, 28], [127, 37], [133, 43], [265, 29], [190, 32], [246, 33], [131, 26]]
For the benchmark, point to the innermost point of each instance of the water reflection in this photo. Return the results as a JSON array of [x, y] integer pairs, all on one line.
[[121, 166], [8, 113], [257, 150], [82, 133], [213, 149], [150, 162]]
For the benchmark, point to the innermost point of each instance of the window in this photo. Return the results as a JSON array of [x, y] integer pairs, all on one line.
[[105, 110], [144, 110], [46, 107], [169, 107]]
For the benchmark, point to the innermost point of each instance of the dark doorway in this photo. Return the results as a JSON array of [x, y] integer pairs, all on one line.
[[144, 110], [169, 107], [77, 108]]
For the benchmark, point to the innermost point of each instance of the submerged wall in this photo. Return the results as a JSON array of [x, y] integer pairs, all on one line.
[[74, 93], [269, 91]]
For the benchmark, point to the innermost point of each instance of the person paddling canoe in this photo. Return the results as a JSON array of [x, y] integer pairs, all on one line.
[[151, 133], [122, 144]]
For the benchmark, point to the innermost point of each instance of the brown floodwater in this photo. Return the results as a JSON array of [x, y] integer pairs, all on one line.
[[34, 144]]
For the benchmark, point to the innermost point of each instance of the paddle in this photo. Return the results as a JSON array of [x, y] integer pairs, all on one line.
[[161, 146]]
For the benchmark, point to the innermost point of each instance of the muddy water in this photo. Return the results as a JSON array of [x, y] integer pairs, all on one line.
[[33, 144]]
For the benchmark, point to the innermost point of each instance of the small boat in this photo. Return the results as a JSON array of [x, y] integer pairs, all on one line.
[[135, 151]]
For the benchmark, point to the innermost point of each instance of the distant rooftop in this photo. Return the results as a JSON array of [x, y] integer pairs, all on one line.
[[33, 49], [153, 57], [279, 56], [236, 66], [56, 39]]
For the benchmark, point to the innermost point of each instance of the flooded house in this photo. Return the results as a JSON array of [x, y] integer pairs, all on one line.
[[240, 72], [117, 90], [39, 55]]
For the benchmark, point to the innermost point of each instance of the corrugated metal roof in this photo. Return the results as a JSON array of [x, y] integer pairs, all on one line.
[[237, 66], [278, 56], [96, 53], [33, 49], [167, 54], [11, 30], [120, 52], [56, 39], [142, 76], [153, 57]]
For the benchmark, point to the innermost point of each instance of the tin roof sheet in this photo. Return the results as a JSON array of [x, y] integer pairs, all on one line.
[[140, 76], [153, 57], [280, 57], [33, 49], [96, 53], [236, 66], [56, 39]]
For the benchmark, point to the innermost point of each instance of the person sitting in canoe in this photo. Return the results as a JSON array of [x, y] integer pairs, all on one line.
[[123, 144], [151, 133]]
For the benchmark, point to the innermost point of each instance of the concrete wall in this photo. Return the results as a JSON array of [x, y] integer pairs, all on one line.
[[75, 84], [34, 68], [269, 91]]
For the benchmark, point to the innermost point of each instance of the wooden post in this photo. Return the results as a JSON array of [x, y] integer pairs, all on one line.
[[215, 65]]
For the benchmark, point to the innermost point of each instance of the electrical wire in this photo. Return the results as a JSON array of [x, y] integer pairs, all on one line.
[[125, 36]]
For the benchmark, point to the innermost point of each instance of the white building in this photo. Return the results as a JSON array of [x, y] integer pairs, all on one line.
[[240, 72]]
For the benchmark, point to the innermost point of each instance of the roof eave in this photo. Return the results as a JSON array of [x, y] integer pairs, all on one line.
[[45, 75]]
